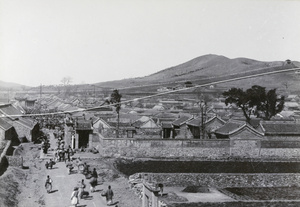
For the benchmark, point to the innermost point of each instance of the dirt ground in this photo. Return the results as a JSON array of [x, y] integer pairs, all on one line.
[[25, 187]]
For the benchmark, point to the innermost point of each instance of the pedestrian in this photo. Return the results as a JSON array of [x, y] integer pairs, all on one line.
[[81, 189], [46, 164], [74, 197], [94, 180], [68, 152], [51, 163], [48, 184], [109, 196]]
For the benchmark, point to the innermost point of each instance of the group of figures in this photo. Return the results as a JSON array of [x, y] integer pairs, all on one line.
[[62, 153], [45, 144], [79, 191]]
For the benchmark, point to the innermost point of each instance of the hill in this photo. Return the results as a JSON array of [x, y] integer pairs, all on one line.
[[11, 86], [214, 67]]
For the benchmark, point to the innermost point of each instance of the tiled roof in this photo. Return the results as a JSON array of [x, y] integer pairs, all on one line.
[[228, 128], [84, 125], [214, 118], [281, 128], [167, 125], [28, 122], [8, 109], [138, 123], [181, 120], [4, 125], [121, 124], [195, 122]]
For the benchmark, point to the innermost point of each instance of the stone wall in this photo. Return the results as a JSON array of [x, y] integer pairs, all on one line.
[[239, 204], [164, 148], [195, 148], [245, 148], [15, 161], [223, 180], [281, 153], [23, 131]]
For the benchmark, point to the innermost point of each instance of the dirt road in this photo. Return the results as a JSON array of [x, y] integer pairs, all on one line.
[[32, 184]]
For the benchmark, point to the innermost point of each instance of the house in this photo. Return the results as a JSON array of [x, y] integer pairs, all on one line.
[[8, 136], [101, 125], [147, 124], [180, 127], [237, 130], [27, 102], [26, 128], [291, 105], [245, 141], [281, 130], [210, 125], [167, 130], [159, 107]]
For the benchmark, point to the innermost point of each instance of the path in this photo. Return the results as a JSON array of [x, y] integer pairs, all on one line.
[[63, 185]]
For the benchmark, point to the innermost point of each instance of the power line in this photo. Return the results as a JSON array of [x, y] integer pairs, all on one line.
[[159, 94]]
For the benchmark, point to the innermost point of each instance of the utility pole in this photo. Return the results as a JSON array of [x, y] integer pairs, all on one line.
[[203, 118], [41, 91], [94, 94]]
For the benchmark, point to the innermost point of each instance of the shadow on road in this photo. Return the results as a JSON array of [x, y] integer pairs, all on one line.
[[114, 203], [53, 191], [88, 198]]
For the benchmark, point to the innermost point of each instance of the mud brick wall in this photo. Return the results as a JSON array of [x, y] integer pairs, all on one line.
[[23, 131], [184, 148], [239, 204], [284, 153], [15, 161], [245, 148], [224, 180], [164, 148]]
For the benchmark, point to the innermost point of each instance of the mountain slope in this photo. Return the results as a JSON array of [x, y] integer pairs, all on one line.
[[8, 86], [200, 68]]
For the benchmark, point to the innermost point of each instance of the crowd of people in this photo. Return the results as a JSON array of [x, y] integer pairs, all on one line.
[[80, 191]]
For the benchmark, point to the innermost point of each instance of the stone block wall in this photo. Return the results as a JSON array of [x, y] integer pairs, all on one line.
[[245, 148], [15, 161], [23, 131], [224, 180], [281, 153], [191, 148], [164, 148]]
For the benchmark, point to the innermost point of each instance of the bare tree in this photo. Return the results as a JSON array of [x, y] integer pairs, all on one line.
[[66, 84], [66, 80]]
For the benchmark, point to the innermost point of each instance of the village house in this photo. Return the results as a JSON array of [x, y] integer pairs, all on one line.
[[27, 102], [211, 124], [181, 130], [280, 130], [26, 128], [8, 137]]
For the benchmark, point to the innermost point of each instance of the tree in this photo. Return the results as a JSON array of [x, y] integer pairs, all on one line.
[[255, 100], [272, 104], [66, 82], [115, 99], [240, 99]]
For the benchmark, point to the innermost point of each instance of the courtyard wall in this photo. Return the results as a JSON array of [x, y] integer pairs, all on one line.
[[223, 180], [196, 148]]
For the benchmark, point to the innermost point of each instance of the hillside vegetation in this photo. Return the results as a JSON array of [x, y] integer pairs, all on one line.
[[200, 69]]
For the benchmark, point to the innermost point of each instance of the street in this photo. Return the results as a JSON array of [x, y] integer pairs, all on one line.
[[63, 184]]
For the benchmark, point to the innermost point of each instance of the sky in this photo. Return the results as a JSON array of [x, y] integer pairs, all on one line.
[[91, 41]]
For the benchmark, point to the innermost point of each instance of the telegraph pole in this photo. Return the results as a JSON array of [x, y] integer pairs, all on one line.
[[41, 91], [203, 118]]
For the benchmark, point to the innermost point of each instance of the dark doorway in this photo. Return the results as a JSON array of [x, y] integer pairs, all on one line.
[[83, 138]]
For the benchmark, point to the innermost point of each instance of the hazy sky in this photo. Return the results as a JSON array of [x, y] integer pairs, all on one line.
[[42, 41]]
